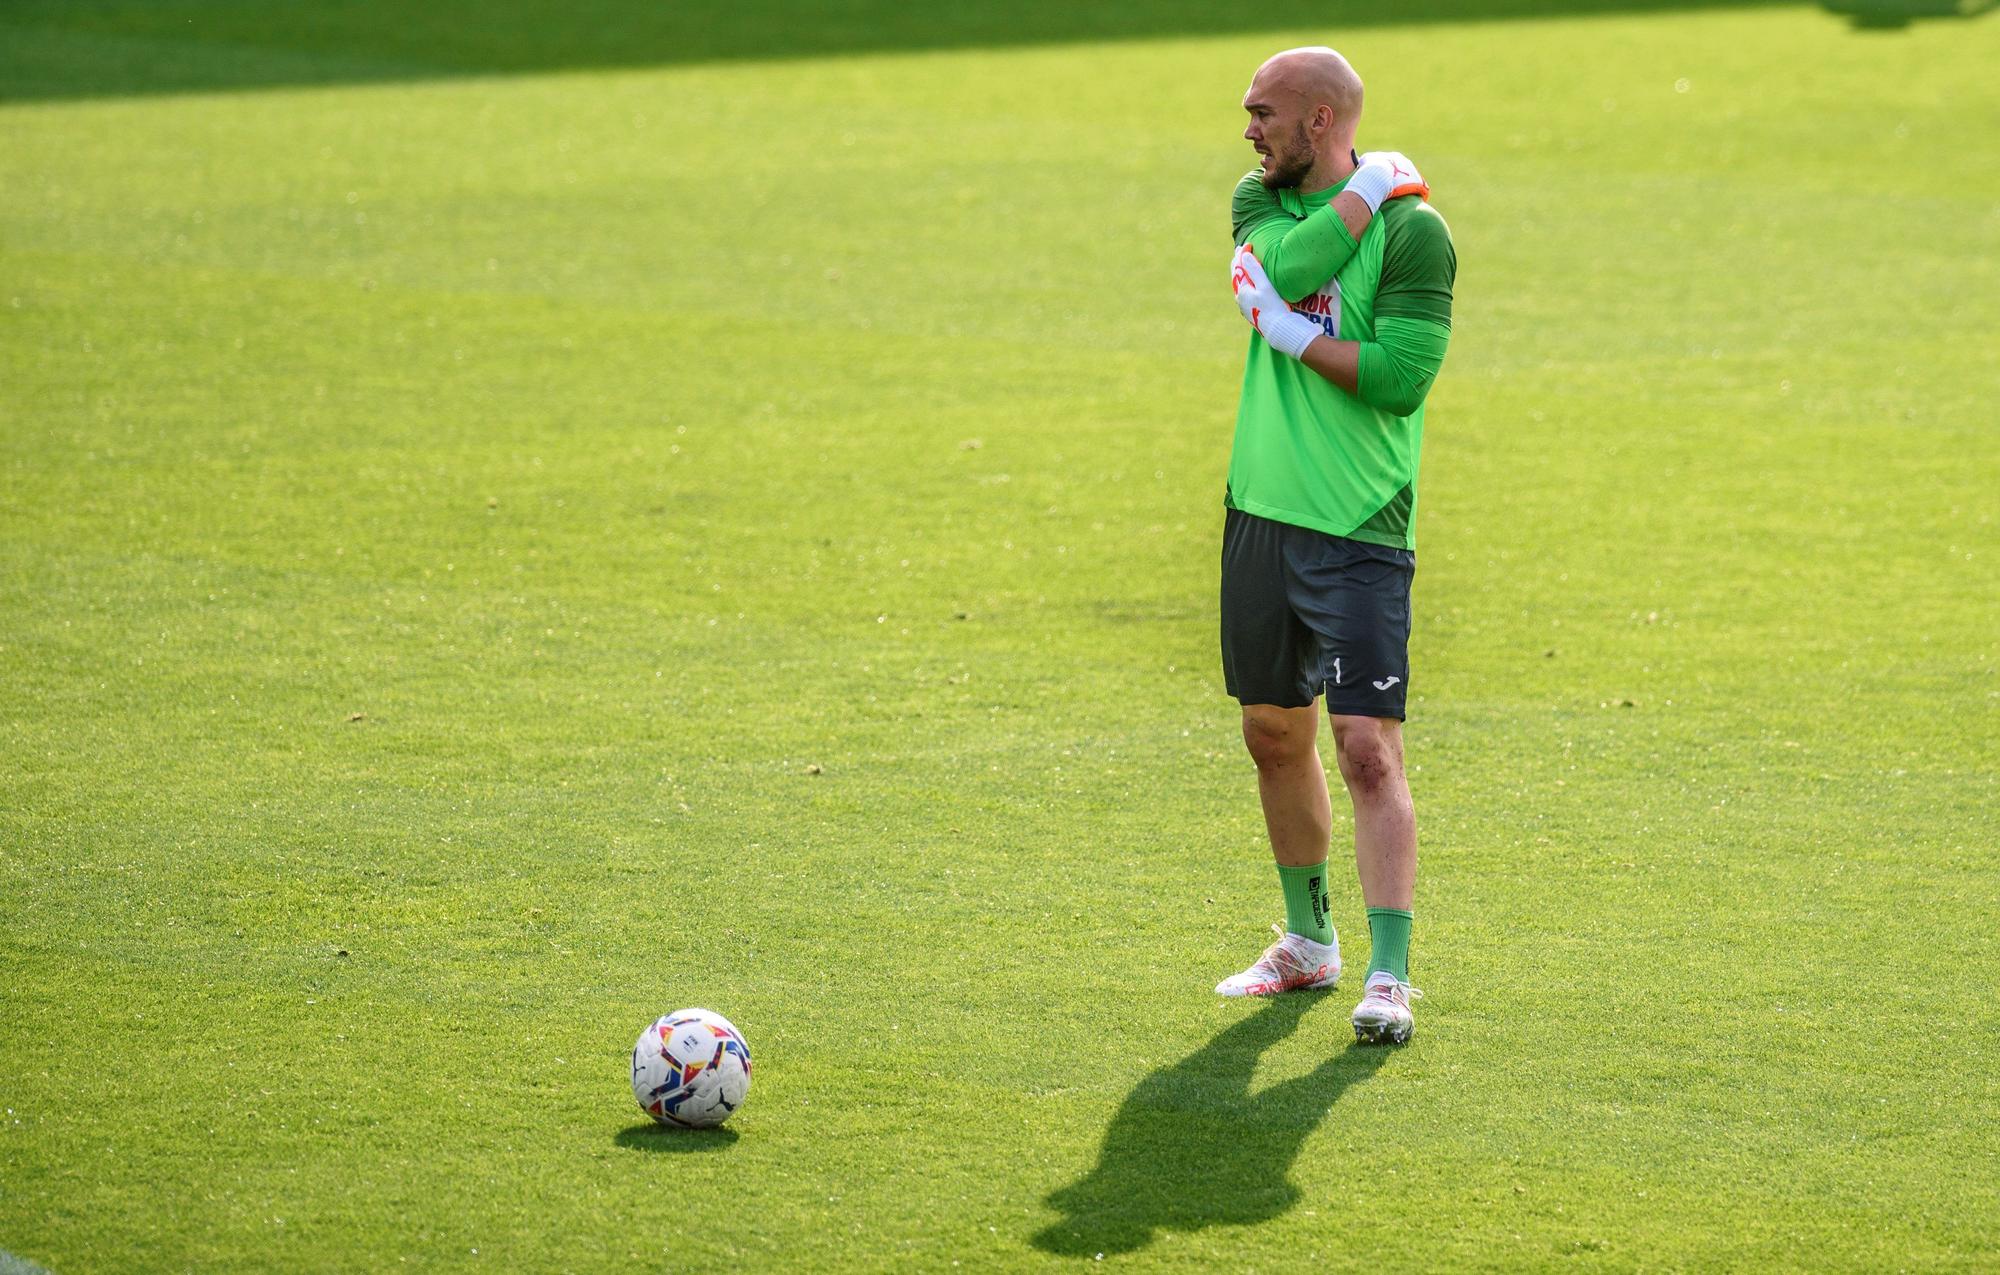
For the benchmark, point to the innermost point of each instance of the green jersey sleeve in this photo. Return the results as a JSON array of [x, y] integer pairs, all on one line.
[[1396, 369], [1419, 265], [1298, 256], [1251, 206], [1412, 308]]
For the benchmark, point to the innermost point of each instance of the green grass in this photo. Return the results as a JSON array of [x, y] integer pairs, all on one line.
[[487, 560]]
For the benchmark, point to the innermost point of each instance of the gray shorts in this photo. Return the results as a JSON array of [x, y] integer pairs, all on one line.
[[1306, 614]]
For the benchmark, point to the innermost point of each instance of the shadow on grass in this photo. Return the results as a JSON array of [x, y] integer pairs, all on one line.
[[1893, 15], [102, 48], [661, 1138], [1193, 1147]]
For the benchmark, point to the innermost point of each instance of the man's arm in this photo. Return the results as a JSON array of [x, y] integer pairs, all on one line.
[[1394, 371], [1301, 256]]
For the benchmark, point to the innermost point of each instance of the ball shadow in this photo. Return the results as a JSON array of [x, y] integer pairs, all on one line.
[[656, 1137]]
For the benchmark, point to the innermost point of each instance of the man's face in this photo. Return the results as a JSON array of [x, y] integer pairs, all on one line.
[[1278, 130]]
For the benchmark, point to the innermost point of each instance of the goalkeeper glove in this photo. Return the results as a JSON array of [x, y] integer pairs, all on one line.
[[1288, 331], [1385, 175]]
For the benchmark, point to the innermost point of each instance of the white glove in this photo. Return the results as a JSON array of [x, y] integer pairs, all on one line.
[[1383, 176], [1288, 331]]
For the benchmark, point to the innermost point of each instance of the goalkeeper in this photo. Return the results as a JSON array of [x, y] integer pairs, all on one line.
[[1345, 271]]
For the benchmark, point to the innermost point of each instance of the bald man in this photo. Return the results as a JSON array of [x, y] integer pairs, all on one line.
[[1345, 272]]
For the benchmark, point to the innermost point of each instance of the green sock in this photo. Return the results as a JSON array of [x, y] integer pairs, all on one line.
[[1389, 932], [1306, 912]]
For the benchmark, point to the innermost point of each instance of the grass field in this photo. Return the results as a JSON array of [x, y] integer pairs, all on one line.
[[500, 540]]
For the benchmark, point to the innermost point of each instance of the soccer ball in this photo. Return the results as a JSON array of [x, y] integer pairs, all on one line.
[[691, 1069]]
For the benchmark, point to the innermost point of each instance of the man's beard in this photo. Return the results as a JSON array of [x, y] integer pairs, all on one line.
[[1290, 166]]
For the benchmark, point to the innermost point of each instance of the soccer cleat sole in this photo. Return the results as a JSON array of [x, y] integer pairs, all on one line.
[[1381, 1034]]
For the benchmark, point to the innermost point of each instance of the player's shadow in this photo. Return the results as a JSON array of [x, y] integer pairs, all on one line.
[[660, 1138], [1192, 1146]]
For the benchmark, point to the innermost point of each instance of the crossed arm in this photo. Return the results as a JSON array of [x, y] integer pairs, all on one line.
[[1302, 256], [1293, 259]]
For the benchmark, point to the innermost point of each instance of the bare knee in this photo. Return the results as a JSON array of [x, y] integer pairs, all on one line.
[[1279, 737], [1370, 750]]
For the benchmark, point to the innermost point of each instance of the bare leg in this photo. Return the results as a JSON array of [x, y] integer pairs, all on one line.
[[1291, 781], [1370, 750]]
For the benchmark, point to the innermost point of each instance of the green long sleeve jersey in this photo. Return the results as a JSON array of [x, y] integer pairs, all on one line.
[[1307, 452]]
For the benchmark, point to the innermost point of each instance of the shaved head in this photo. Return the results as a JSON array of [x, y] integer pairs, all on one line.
[[1314, 76], [1304, 106]]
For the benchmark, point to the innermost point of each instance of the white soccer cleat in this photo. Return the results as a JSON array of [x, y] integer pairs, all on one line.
[[1383, 1017], [1293, 964]]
